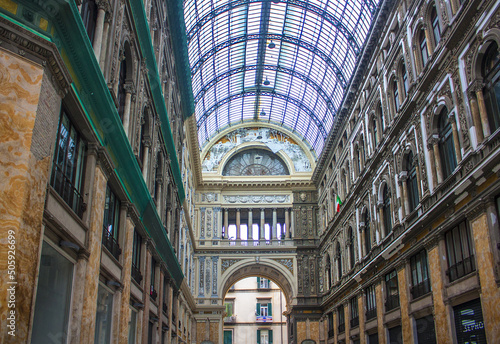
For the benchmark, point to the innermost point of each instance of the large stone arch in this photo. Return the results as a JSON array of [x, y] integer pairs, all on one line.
[[262, 267]]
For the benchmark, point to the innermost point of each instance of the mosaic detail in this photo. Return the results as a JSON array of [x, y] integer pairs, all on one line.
[[286, 262], [275, 140], [217, 211], [207, 284], [202, 280], [226, 264], [215, 261], [209, 223], [202, 223]]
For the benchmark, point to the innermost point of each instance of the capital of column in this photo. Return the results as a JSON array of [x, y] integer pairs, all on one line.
[[403, 176], [129, 87]]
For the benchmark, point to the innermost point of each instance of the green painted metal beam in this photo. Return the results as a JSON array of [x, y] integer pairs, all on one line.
[[175, 14], [74, 46]]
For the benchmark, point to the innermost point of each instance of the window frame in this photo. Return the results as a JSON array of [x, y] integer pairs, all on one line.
[[456, 240], [111, 220], [420, 275], [391, 291]]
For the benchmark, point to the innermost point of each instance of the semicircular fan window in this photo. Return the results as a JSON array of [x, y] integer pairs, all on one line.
[[255, 162]]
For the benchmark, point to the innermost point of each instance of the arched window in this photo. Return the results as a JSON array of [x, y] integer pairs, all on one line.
[[380, 114], [446, 147], [339, 261], [404, 76], [352, 256], [395, 93], [491, 77], [386, 209], [411, 182], [158, 174], [436, 30], [424, 53], [328, 272], [368, 243]]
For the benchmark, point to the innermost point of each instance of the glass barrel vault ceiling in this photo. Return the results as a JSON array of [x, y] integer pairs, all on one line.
[[285, 62]]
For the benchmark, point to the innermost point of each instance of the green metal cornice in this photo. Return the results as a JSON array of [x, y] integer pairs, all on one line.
[[72, 42], [175, 13]]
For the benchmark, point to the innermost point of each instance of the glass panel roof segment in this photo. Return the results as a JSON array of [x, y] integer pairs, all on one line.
[[291, 59]]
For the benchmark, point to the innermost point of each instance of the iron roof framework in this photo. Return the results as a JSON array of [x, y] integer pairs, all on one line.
[[285, 62]]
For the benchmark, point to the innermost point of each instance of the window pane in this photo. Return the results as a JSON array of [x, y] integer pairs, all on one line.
[[104, 316], [50, 323]]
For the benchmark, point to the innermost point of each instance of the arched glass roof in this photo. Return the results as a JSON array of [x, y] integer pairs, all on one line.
[[288, 62]]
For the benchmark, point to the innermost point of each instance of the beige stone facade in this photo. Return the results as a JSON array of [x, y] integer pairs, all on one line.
[[118, 227]]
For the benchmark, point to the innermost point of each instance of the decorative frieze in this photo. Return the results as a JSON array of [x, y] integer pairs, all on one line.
[[286, 262], [257, 199], [226, 264]]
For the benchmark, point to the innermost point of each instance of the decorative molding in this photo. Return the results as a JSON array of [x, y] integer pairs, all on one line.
[[286, 262], [226, 264], [256, 199]]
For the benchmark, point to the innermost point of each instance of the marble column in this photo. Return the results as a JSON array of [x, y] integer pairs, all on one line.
[[404, 302], [262, 230], [128, 243], [99, 28], [486, 267], [250, 224], [456, 142], [146, 294], [437, 158], [275, 224], [361, 312], [287, 223], [476, 118], [238, 224], [432, 165], [226, 223], [380, 312], [129, 89], [441, 310], [23, 184], [482, 112], [94, 235], [145, 166], [105, 34], [383, 230], [403, 177]]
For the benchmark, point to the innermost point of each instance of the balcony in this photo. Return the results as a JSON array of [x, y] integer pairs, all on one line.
[[153, 294], [65, 188], [256, 243], [230, 319], [136, 274], [461, 269], [392, 302], [421, 289], [264, 318], [341, 328], [109, 241], [371, 313]]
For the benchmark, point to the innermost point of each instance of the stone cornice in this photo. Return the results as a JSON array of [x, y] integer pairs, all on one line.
[[45, 51], [193, 145]]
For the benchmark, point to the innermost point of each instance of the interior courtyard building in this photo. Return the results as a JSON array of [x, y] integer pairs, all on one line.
[[153, 154]]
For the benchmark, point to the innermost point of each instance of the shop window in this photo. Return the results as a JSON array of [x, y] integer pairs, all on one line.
[[491, 78], [341, 319], [111, 223], [469, 324], [392, 291], [420, 281], [69, 161], [104, 316], [132, 329], [459, 252], [426, 332], [395, 335], [53, 297], [371, 302]]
